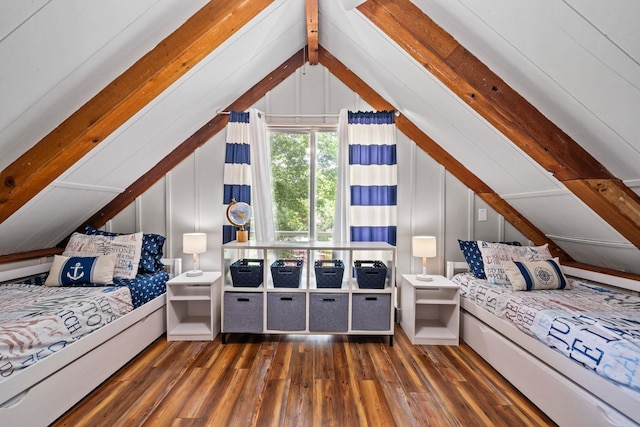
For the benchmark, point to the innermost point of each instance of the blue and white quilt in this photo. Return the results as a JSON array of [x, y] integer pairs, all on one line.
[[38, 321], [596, 326]]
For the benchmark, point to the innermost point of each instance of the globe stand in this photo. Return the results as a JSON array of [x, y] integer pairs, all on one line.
[[242, 236], [239, 215]]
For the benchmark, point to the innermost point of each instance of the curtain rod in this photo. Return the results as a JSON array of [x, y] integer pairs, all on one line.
[[310, 126], [292, 115], [397, 114]]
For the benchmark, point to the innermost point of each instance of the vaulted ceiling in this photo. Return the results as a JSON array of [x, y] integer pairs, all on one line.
[[533, 106]]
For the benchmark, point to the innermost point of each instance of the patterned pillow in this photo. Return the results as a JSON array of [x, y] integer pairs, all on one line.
[[494, 254], [76, 271], [126, 247], [152, 252], [474, 258], [151, 255], [529, 276]]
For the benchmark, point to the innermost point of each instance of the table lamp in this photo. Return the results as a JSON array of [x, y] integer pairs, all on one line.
[[194, 243], [424, 247]]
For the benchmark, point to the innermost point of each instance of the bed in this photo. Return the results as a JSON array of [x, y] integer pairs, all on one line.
[[551, 346], [132, 317]]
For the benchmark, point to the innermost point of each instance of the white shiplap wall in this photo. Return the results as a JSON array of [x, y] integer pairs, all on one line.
[[430, 200]]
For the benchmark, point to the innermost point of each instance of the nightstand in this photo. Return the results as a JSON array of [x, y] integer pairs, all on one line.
[[430, 311], [193, 307]]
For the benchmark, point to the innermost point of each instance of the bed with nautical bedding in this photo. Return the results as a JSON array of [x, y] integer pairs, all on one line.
[[568, 338], [67, 325], [37, 321]]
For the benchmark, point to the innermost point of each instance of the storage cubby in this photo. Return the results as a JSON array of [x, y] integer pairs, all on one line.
[[286, 311], [369, 312], [337, 306], [243, 311], [328, 312]]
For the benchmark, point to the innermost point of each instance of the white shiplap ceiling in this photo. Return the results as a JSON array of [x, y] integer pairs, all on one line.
[[577, 61]]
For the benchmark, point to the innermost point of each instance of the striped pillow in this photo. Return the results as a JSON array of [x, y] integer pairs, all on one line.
[[535, 275]]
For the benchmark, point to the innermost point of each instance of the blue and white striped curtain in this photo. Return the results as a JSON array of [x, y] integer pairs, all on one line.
[[237, 167], [373, 177]]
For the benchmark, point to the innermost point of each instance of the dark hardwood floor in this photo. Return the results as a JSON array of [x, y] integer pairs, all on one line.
[[294, 380]]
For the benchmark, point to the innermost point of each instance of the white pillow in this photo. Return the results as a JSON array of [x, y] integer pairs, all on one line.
[[126, 247], [494, 254], [533, 275], [77, 271]]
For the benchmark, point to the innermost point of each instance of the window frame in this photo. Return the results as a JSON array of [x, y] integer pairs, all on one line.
[[312, 131]]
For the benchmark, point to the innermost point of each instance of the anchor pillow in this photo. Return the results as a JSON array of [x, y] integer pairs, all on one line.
[[77, 271], [126, 247]]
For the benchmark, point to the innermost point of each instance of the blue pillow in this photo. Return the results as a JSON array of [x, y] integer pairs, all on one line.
[[151, 256], [474, 258]]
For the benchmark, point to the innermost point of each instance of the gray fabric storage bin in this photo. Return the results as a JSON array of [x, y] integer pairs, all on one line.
[[371, 312], [286, 311], [328, 312], [243, 312]]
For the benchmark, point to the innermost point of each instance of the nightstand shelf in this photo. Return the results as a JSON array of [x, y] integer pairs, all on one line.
[[433, 329], [193, 326], [430, 310], [193, 307]]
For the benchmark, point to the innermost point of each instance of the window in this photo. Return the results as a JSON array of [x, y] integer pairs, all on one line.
[[304, 168]]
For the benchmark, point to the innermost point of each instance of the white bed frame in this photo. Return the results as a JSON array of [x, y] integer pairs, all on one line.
[[567, 392], [39, 395]]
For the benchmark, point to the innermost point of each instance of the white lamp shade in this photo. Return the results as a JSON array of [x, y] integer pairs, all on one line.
[[424, 246], [194, 243]]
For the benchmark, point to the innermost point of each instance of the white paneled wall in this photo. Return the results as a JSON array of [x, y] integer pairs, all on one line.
[[430, 200]]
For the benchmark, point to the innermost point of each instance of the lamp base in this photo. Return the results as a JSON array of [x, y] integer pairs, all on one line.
[[194, 273], [424, 278]]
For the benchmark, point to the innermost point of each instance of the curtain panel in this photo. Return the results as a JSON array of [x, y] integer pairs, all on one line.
[[373, 176], [246, 139], [237, 167]]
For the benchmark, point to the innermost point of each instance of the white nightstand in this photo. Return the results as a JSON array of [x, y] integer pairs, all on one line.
[[430, 310], [193, 307]]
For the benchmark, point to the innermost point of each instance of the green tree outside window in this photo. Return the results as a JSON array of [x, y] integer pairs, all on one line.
[[304, 173]]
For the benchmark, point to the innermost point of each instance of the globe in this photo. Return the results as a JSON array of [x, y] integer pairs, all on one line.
[[239, 214]]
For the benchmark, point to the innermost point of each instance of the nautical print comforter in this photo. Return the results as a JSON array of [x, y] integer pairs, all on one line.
[[37, 321], [593, 325], [144, 287]]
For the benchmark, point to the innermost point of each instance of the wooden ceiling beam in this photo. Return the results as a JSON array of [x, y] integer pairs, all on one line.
[[312, 31], [441, 156], [508, 112], [23, 256], [121, 99]]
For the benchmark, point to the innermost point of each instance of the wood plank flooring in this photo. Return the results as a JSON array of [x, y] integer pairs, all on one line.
[[294, 380]]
